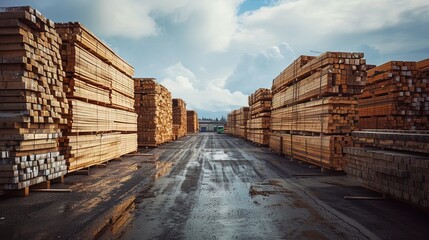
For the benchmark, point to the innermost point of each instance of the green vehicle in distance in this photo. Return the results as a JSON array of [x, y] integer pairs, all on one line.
[[220, 130]]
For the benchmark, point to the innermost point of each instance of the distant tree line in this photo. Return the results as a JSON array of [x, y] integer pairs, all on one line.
[[222, 119]]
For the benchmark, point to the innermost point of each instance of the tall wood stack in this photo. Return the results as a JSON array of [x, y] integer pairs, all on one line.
[[396, 97], [258, 124], [314, 108], [32, 101], [393, 162], [155, 112], [102, 122], [179, 118], [242, 115], [192, 121], [231, 123]]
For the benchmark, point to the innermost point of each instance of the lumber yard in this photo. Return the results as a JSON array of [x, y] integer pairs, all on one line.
[[335, 149]]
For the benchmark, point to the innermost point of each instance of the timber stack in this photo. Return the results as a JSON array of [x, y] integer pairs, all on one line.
[[314, 108], [396, 97], [32, 103], [102, 123], [192, 121], [179, 118], [258, 124], [231, 123], [392, 162], [242, 115], [155, 112]]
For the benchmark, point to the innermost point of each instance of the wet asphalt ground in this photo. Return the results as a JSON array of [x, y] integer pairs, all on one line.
[[209, 186]]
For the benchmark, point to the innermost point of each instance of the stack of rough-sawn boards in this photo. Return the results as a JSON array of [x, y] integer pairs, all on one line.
[[393, 162], [153, 104], [100, 90], [231, 123], [242, 115], [396, 97], [32, 101], [314, 108], [258, 124], [192, 121], [179, 118]]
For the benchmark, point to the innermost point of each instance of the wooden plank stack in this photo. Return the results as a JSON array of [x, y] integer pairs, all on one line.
[[231, 123], [192, 121], [258, 125], [179, 118], [242, 115], [393, 162], [396, 97], [154, 107], [32, 101], [314, 108], [102, 122]]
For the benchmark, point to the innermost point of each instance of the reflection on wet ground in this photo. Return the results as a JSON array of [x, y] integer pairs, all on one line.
[[220, 188]]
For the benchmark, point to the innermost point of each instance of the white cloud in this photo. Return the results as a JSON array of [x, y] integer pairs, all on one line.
[[210, 98], [205, 23], [257, 70], [324, 24]]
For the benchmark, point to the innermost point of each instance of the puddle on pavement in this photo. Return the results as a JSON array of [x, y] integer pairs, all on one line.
[[218, 155]]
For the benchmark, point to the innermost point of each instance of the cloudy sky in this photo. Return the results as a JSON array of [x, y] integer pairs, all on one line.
[[213, 53]]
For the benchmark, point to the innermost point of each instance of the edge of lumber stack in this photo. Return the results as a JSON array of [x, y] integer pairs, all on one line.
[[237, 122], [155, 112], [392, 162], [314, 108], [192, 121], [179, 118], [396, 96], [32, 101], [102, 122], [258, 124]]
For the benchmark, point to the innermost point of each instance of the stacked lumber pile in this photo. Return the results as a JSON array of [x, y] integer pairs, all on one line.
[[155, 112], [192, 121], [32, 101], [242, 115], [393, 162], [231, 123], [102, 122], [314, 108], [396, 97], [258, 124], [179, 118]]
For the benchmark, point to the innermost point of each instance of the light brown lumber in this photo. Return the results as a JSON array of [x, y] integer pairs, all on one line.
[[154, 107]]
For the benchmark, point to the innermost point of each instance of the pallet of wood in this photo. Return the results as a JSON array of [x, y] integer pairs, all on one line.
[[179, 118], [314, 107], [329, 115], [155, 112], [192, 121], [392, 162], [258, 124], [100, 91], [330, 73], [396, 97], [32, 100]]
